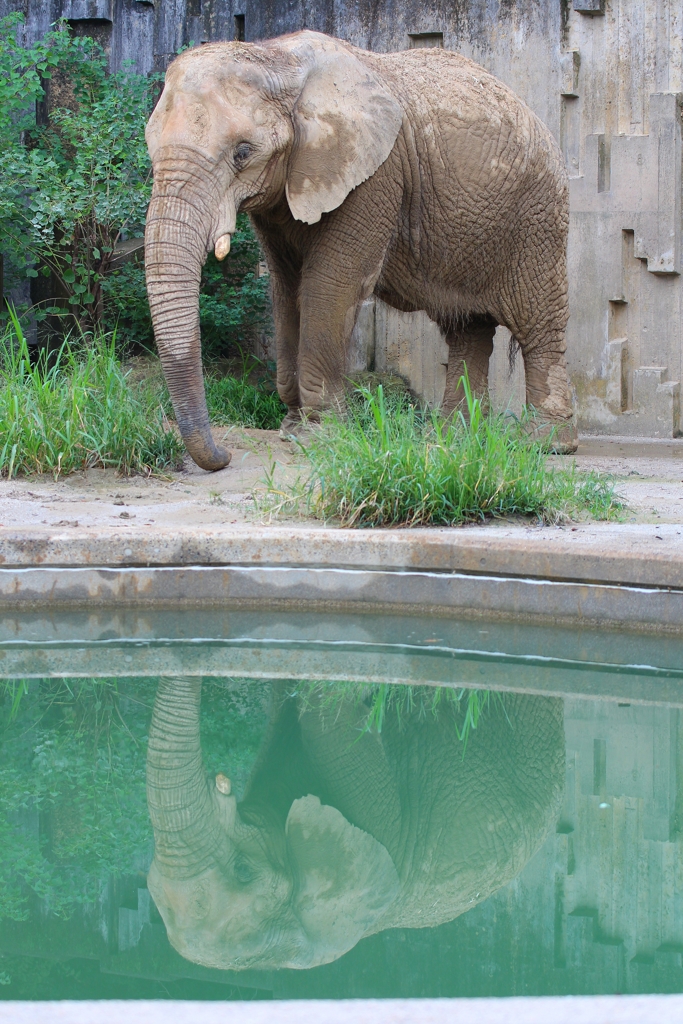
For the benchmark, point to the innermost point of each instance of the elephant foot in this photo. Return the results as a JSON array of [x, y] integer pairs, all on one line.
[[559, 438], [297, 426], [291, 425]]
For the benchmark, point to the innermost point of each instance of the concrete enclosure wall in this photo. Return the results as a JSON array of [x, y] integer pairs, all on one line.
[[607, 78]]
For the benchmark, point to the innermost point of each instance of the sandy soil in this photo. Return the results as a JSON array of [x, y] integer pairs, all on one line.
[[649, 476]]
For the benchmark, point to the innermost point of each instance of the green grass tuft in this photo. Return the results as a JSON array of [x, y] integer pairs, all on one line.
[[234, 400], [76, 410], [389, 463]]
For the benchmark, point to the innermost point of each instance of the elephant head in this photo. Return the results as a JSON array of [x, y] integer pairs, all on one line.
[[242, 126], [235, 894]]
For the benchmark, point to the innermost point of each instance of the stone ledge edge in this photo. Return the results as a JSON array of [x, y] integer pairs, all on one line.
[[617, 556], [626, 1009]]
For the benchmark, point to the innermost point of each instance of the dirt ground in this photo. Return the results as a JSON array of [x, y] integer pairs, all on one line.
[[648, 473]]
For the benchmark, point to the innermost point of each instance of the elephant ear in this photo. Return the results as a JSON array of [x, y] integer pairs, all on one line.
[[345, 125], [346, 879]]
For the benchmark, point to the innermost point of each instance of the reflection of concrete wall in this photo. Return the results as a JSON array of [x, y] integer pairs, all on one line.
[[619, 849], [609, 884], [607, 78]]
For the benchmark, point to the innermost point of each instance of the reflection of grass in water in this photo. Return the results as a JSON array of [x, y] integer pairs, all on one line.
[[382, 699]]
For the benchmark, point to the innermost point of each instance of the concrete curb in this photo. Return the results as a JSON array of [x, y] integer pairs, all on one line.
[[616, 576], [524, 1010], [635, 555], [532, 600]]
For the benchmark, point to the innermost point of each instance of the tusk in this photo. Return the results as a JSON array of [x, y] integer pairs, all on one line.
[[222, 247], [223, 784]]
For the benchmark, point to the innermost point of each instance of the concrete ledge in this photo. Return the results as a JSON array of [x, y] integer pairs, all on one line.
[[540, 1010], [533, 600], [622, 554]]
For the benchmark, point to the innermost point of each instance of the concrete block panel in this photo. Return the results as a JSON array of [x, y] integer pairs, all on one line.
[[360, 354], [589, 6], [412, 345], [87, 10]]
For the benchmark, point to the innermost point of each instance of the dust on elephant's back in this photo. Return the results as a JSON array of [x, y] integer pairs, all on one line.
[[343, 831]]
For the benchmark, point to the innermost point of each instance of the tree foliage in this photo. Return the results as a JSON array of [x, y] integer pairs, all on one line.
[[73, 188]]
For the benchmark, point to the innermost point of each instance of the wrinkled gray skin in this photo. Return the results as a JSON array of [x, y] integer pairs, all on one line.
[[339, 837], [417, 176]]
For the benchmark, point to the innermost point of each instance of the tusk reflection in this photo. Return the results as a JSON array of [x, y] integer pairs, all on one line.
[[223, 784]]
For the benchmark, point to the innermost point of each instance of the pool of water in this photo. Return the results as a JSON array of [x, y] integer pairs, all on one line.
[[260, 804]]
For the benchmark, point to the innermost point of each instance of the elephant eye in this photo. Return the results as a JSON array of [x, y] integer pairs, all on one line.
[[242, 154], [243, 872]]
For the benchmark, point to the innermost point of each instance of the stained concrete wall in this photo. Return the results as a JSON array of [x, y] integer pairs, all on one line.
[[607, 78]]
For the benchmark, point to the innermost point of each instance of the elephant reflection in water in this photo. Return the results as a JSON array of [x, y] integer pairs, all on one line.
[[342, 832]]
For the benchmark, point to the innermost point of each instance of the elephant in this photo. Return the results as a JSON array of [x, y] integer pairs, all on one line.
[[414, 176], [342, 832]]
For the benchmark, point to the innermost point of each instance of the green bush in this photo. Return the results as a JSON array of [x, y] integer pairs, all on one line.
[[126, 309], [71, 189], [76, 410], [394, 464], [233, 302]]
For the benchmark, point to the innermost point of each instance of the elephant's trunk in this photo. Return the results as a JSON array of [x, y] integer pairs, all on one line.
[[180, 806], [175, 249]]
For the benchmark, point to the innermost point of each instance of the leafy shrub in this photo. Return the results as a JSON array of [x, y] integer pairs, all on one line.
[[71, 189], [233, 301], [126, 309], [76, 410], [394, 464]]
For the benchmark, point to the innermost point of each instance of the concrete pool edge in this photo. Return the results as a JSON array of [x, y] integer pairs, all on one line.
[[612, 553], [617, 576], [627, 1009]]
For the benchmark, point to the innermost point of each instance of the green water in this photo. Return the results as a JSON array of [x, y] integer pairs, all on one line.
[[268, 805]]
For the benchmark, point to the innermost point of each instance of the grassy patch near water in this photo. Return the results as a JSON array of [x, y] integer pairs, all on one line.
[[389, 463], [77, 410]]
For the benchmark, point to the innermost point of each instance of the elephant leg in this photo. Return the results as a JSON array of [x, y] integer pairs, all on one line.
[[328, 313], [287, 327], [284, 264], [331, 294], [470, 345], [548, 392], [285, 283]]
